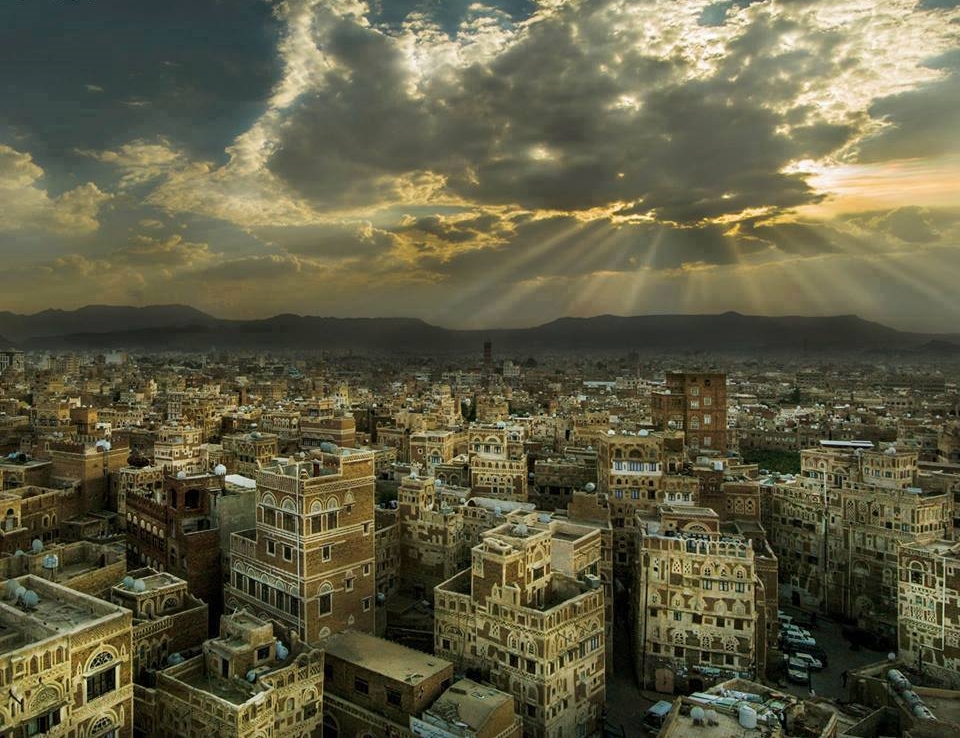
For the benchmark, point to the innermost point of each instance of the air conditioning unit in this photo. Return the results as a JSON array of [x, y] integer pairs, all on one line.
[[592, 580]]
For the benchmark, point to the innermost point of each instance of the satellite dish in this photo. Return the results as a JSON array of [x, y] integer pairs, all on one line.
[[12, 586], [589, 487], [220, 470], [37, 545], [50, 561], [128, 582], [181, 474], [139, 586], [30, 599], [282, 650]]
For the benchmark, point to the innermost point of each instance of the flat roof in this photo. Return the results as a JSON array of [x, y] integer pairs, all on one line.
[[384, 657], [470, 703]]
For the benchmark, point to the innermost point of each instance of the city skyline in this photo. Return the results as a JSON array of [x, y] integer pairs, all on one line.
[[484, 164]]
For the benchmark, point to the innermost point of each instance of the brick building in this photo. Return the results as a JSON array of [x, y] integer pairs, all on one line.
[[309, 563], [176, 531], [528, 629], [167, 619], [250, 682], [66, 660], [696, 403], [696, 602]]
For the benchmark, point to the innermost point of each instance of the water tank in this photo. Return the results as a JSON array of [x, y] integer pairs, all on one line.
[[544, 517], [911, 698], [282, 650], [898, 680], [747, 717], [37, 545], [697, 714], [181, 474], [923, 712], [589, 487], [251, 676], [50, 562], [12, 586], [711, 717]]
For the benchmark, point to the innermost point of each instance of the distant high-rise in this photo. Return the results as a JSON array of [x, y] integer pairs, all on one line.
[[695, 403], [487, 358]]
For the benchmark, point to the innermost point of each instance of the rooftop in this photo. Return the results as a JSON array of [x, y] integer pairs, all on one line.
[[384, 657], [470, 703], [57, 610]]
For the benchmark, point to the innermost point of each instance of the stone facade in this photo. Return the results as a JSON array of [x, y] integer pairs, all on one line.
[[530, 631], [837, 528], [697, 599], [176, 532], [309, 563], [928, 618], [250, 682], [65, 661], [167, 619]]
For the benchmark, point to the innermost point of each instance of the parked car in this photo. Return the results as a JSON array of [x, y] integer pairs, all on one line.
[[812, 663], [798, 674], [792, 641], [815, 651], [656, 715], [794, 632]]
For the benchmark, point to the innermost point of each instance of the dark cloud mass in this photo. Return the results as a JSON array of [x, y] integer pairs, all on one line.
[[570, 117]]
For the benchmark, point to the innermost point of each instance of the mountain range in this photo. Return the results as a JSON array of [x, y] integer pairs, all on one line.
[[179, 327]]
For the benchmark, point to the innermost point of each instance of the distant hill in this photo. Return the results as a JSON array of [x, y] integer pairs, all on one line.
[[177, 327], [5, 344], [98, 319]]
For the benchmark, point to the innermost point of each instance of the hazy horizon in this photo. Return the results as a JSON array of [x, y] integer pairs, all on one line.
[[480, 165]]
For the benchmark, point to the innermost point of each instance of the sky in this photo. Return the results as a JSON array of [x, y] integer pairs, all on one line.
[[483, 164]]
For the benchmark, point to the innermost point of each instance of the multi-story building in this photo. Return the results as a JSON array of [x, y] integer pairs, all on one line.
[[696, 403], [431, 537], [638, 471], [177, 449], [373, 686], [253, 681], [66, 660], [309, 563], [167, 619], [528, 629], [248, 452], [556, 479], [177, 531], [928, 620], [24, 471], [432, 447], [498, 463], [696, 602], [87, 467], [140, 480], [11, 360], [837, 528], [340, 429]]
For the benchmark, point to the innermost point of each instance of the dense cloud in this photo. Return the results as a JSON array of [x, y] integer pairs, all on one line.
[[513, 159]]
